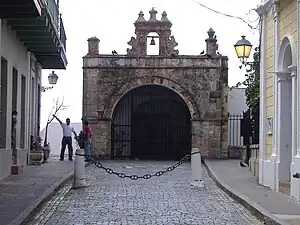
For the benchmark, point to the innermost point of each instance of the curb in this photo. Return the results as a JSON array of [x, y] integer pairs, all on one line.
[[261, 213], [26, 215]]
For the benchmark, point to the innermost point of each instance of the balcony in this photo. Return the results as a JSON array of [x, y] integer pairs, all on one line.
[[20, 9], [43, 34]]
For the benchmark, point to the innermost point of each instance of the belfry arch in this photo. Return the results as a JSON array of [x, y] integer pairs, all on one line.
[[151, 122]]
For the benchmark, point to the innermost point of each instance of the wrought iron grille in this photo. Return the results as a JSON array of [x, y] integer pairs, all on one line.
[[151, 122]]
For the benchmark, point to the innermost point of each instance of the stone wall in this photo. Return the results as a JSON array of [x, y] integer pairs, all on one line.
[[199, 80]]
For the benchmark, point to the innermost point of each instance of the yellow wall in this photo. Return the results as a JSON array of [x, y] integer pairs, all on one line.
[[270, 75], [287, 26], [288, 20]]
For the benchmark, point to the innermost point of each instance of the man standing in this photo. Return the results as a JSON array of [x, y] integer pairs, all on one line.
[[87, 131], [67, 138]]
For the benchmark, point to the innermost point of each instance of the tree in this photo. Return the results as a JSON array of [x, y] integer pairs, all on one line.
[[56, 108], [252, 80]]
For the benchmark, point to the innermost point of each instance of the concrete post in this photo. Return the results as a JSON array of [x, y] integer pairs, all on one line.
[[197, 180], [79, 170]]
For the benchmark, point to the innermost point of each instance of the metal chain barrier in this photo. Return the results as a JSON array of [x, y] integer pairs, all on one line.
[[146, 176]]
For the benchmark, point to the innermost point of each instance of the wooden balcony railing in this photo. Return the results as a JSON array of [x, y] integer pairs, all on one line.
[[62, 34], [52, 9]]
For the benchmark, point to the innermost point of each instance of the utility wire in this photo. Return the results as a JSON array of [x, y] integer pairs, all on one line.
[[227, 15]]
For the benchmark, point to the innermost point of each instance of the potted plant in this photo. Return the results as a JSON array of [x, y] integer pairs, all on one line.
[[36, 154]]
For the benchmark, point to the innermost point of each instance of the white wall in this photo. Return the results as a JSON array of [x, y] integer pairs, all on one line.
[[237, 101], [17, 56]]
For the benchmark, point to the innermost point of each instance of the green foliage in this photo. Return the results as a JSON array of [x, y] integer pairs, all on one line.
[[252, 80]]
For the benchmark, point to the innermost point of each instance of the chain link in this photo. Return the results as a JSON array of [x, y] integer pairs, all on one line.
[[146, 176]]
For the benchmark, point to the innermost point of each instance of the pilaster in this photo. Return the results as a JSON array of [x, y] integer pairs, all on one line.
[[275, 13], [18, 126], [298, 80], [27, 104], [262, 128], [294, 110]]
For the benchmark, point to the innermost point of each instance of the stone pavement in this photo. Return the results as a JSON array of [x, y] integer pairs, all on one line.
[[20, 194], [259, 199], [169, 199]]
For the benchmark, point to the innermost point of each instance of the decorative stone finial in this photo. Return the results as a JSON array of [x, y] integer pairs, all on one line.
[[164, 17], [211, 33], [211, 43], [153, 13], [141, 17], [93, 46]]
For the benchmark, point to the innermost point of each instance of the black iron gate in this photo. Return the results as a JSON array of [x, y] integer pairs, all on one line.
[[151, 122]]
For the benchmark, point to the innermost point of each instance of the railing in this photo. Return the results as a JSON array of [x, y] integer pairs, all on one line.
[[52, 9], [62, 34], [234, 130], [235, 139]]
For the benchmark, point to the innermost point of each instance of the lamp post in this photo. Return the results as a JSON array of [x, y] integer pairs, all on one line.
[[243, 50], [52, 78]]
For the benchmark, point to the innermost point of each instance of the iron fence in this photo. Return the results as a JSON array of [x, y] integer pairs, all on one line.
[[235, 130], [243, 132]]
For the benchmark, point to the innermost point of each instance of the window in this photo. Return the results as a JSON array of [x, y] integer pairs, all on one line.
[[38, 108], [3, 107], [32, 110], [14, 89], [23, 110]]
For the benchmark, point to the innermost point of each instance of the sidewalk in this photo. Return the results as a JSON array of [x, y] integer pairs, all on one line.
[[270, 206], [21, 194]]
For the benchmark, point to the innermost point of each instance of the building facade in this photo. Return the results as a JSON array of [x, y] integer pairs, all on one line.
[[156, 106], [32, 38], [279, 159]]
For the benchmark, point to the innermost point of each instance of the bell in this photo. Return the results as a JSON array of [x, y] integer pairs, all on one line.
[[152, 41]]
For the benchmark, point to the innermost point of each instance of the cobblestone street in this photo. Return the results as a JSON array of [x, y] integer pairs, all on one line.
[[169, 199]]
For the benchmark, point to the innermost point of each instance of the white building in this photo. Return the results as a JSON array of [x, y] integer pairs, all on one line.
[[279, 156], [32, 38]]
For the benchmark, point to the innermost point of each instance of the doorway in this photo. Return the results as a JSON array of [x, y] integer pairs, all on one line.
[[151, 122]]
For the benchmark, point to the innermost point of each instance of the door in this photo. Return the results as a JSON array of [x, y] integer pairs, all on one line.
[[151, 136]]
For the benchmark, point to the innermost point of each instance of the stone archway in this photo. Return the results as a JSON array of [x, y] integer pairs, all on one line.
[[151, 122], [284, 111], [135, 82]]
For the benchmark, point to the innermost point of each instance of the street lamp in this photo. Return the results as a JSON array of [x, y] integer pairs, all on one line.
[[243, 50], [52, 78]]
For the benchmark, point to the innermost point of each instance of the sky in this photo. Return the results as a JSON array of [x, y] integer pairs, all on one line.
[[112, 22]]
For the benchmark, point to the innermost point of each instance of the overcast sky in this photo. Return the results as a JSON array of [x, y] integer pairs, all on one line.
[[112, 22]]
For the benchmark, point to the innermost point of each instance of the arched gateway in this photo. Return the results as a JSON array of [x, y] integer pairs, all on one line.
[[151, 122], [156, 106]]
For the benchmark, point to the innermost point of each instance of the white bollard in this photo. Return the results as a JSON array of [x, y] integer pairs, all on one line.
[[197, 180], [79, 170]]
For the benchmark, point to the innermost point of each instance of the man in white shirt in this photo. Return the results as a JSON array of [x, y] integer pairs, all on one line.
[[67, 138]]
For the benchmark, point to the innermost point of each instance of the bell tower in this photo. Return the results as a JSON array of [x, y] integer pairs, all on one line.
[[144, 27]]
